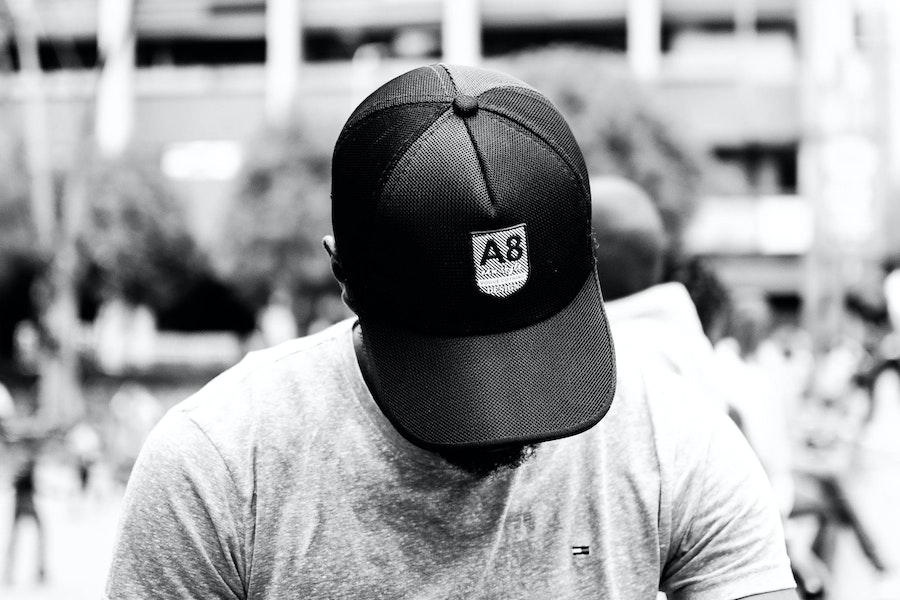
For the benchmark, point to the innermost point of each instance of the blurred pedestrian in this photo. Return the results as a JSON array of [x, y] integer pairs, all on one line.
[[328, 310], [891, 289], [756, 395], [660, 322], [7, 412], [7, 406], [25, 508], [134, 410], [649, 318], [277, 323], [711, 297], [85, 447], [458, 438]]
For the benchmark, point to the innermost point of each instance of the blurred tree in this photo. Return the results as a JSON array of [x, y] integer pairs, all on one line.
[[17, 232], [617, 124], [282, 210], [134, 241], [209, 304], [21, 261]]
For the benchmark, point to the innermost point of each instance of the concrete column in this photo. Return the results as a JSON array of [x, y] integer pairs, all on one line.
[[114, 123], [284, 50], [836, 167], [461, 32], [34, 123], [644, 33], [892, 126]]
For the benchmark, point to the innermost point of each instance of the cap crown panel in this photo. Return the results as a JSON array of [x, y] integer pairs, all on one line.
[[534, 112], [425, 84], [420, 270], [362, 159]]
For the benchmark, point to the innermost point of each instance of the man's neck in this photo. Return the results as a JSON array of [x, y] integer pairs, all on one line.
[[479, 463], [365, 366]]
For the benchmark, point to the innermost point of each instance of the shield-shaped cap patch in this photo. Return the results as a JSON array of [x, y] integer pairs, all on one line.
[[500, 258]]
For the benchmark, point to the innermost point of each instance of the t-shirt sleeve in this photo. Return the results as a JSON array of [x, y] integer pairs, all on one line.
[[727, 540], [180, 533]]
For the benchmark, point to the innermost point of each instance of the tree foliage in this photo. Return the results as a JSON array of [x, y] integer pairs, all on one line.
[[619, 127], [21, 261], [18, 236], [279, 216], [134, 239]]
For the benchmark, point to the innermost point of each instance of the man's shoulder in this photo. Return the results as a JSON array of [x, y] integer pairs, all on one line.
[[271, 386], [676, 408]]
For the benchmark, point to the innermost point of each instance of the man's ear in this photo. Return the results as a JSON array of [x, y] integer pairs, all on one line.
[[337, 269]]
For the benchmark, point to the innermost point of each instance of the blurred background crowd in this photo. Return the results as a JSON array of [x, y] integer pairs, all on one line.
[[164, 187]]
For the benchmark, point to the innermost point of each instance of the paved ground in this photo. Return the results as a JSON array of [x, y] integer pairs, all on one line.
[[874, 486], [79, 539]]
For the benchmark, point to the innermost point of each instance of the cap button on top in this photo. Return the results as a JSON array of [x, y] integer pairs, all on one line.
[[465, 106]]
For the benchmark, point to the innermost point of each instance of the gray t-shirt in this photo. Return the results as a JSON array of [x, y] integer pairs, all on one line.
[[281, 479]]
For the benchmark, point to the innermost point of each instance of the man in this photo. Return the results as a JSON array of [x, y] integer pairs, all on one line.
[[445, 443], [7, 406], [655, 320], [658, 324], [24, 507]]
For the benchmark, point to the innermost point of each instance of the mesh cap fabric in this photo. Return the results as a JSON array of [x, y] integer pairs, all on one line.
[[461, 213]]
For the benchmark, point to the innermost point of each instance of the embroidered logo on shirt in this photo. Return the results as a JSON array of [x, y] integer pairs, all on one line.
[[500, 258], [578, 550]]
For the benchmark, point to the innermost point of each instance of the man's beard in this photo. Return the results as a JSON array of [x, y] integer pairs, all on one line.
[[483, 463]]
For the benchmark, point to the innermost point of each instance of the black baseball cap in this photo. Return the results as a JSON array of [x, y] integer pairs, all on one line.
[[461, 212]]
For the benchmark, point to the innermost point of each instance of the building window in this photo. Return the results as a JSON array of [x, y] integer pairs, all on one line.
[[766, 168]]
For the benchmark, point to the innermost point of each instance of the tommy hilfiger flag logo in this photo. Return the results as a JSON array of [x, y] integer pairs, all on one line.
[[500, 258]]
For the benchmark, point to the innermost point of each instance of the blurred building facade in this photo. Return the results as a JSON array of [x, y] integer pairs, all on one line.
[[791, 97]]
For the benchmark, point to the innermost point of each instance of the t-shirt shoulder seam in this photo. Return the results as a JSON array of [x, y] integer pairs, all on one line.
[[303, 346], [705, 484], [231, 476], [249, 370], [664, 556], [215, 447]]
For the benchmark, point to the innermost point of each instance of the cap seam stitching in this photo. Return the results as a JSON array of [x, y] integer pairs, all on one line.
[[351, 132], [520, 85], [481, 165], [397, 156], [400, 156], [525, 88], [570, 172], [557, 149], [491, 198], [395, 159], [510, 86], [379, 104], [454, 91]]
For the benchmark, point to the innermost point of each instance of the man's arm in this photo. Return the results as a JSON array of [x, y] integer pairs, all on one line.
[[725, 535], [180, 534]]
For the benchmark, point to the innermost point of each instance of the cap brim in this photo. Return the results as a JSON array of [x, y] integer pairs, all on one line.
[[549, 380]]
